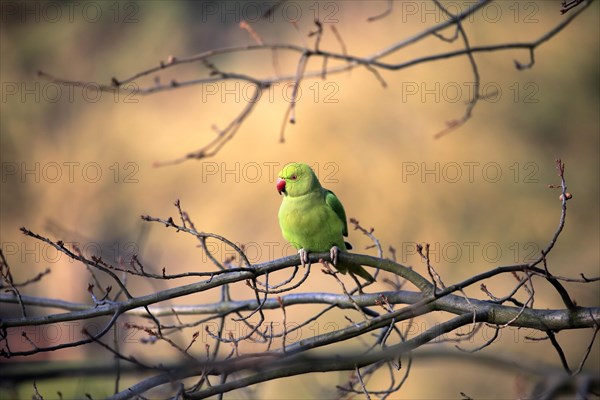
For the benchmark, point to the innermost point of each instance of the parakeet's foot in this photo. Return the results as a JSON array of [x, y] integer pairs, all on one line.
[[333, 253], [303, 257]]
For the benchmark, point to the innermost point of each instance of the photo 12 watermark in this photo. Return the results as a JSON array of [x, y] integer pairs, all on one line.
[[227, 91], [265, 171], [469, 172], [51, 92], [68, 172], [37, 252], [469, 252], [465, 92], [270, 11], [52, 12], [525, 12]]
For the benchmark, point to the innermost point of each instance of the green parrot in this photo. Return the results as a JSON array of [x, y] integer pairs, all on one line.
[[312, 218]]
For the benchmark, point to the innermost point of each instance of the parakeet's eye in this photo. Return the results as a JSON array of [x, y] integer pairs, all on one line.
[[293, 177]]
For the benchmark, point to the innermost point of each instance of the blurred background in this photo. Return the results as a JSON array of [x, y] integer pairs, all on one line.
[[79, 166]]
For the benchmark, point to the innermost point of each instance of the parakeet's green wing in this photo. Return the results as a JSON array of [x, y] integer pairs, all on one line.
[[335, 203]]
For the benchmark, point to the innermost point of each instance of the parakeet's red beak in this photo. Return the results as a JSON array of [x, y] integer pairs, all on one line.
[[280, 185]]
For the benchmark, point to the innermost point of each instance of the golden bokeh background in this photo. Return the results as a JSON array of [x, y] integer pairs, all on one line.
[[78, 165]]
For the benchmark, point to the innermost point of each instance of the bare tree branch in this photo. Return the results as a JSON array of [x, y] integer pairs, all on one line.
[[372, 62]]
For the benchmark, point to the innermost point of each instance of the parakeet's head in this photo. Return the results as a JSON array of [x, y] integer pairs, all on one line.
[[296, 179]]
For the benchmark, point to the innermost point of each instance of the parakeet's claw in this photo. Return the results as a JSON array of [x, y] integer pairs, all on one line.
[[303, 257], [333, 253]]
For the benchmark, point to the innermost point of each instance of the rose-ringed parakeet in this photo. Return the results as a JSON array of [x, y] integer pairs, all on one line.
[[312, 218]]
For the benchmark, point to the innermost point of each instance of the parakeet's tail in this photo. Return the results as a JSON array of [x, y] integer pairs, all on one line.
[[355, 270], [360, 271]]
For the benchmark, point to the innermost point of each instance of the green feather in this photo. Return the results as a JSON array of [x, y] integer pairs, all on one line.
[[313, 218]]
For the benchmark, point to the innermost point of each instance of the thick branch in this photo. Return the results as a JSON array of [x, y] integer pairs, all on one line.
[[496, 313]]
